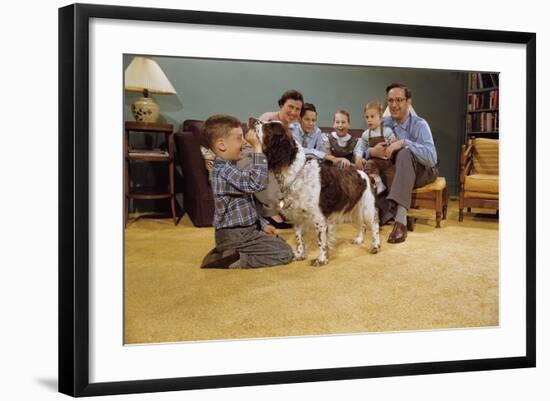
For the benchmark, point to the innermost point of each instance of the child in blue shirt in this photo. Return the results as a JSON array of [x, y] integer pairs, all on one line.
[[307, 134], [243, 238]]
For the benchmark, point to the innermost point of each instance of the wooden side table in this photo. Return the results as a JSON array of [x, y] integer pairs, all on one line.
[[149, 155]]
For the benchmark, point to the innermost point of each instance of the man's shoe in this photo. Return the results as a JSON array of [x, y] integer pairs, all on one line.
[[220, 260], [398, 234]]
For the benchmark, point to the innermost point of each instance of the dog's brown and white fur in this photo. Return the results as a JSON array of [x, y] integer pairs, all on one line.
[[317, 195]]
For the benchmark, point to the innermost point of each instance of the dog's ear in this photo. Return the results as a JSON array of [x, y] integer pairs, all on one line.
[[252, 122], [279, 146]]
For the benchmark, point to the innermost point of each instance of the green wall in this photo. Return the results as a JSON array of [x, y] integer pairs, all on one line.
[[243, 89]]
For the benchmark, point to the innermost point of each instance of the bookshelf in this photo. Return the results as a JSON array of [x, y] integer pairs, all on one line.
[[482, 98]]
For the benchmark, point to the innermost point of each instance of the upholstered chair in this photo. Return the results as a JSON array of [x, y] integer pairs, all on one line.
[[479, 175]]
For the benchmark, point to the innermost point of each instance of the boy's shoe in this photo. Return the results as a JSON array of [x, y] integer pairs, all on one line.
[[220, 260], [276, 224]]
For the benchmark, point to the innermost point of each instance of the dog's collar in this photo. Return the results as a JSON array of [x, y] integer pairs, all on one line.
[[285, 188]]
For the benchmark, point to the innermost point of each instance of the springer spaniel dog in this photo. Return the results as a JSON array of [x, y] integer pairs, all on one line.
[[317, 194]]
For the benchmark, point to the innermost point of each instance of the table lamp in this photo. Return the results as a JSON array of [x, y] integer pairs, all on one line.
[[145, 76]]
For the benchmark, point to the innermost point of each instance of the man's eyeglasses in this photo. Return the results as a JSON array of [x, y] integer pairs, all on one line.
[[398, 100]]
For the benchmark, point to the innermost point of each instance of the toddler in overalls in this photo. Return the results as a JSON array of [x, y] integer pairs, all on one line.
[[380, 170]]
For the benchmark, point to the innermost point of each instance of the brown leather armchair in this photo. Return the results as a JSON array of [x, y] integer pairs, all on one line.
[[197, 194], [479, 175]]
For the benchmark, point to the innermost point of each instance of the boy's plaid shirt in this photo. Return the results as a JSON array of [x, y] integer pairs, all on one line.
[[233, 191]]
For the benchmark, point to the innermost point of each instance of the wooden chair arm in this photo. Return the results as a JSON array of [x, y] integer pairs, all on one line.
[[466, 153], [466, 162]]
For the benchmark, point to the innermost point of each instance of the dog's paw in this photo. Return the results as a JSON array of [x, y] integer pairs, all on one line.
[[319, 262], [357, 241], [374, 249], [298, 257]]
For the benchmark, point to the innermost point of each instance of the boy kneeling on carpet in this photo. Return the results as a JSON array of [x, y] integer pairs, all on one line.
[[243, 237]]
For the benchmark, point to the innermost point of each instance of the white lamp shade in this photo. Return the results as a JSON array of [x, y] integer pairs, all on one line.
[[145, 73]]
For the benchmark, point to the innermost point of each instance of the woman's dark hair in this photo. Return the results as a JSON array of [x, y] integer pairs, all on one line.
[[308, 107], [408, 92], [290, 94]]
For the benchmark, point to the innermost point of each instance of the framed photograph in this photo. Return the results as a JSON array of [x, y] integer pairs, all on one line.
[[136, 311]]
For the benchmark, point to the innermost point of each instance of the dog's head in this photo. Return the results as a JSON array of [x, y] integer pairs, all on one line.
[[277, 142]]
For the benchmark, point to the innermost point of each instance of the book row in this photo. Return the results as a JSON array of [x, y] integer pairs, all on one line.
[[482, 122], [478, 80], [480, 101]]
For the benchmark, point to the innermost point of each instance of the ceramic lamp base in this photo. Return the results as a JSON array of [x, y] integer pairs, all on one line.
[[146, 110]]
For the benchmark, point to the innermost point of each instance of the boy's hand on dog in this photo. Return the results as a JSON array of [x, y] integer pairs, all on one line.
[[360, 163], [252, 138], [269, 229], [343, 162]]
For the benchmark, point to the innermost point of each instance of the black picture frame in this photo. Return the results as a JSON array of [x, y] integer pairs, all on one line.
[[74, 194]]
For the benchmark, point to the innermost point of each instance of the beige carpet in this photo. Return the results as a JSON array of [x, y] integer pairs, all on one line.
[[439, 278]]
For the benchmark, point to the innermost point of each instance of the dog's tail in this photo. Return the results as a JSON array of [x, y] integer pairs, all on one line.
[[368, 198], [368, 213]]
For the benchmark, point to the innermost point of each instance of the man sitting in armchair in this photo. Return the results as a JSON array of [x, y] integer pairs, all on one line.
[[415, 159]]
